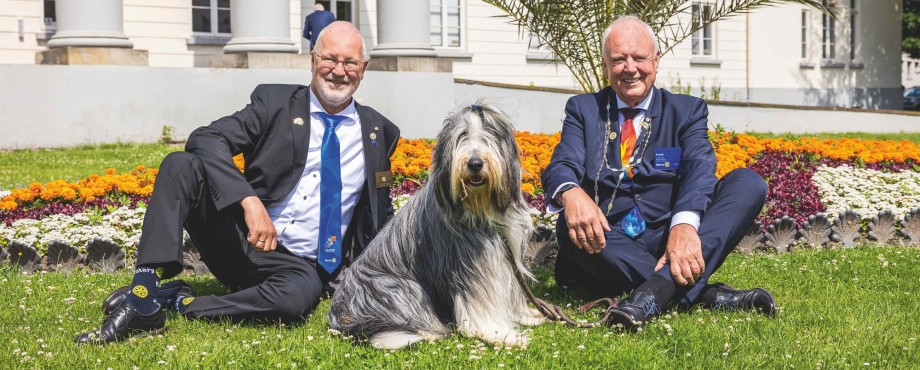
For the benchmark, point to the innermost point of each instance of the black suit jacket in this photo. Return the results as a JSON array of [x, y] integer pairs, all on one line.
[[273, 134]]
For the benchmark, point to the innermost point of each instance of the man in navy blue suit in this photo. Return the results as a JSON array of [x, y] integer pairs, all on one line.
[[634, 178], [315, 23]]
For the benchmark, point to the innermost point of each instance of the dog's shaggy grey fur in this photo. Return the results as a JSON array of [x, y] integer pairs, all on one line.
[[442, 261]]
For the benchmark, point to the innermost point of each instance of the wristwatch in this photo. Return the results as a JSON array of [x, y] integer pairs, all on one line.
[[562, 189]]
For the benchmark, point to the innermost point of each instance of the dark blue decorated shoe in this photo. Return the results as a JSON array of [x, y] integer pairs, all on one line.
[[634, 312], [730, 299]]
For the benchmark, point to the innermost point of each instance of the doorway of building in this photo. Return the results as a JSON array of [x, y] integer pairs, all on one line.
[[341, 8]]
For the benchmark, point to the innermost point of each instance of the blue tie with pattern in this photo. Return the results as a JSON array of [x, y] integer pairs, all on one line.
[[633, 223], [329, 255]]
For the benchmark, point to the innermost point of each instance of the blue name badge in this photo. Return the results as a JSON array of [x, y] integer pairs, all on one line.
[[667, 159]]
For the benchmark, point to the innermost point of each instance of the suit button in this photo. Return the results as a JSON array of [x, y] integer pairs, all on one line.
[[637, 197]]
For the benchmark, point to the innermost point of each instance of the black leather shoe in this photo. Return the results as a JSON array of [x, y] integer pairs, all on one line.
[[634, 312], [125, 322], [115, 299], [729, 299]]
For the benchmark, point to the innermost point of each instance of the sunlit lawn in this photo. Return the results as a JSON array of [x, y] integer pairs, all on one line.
[[19, 168], [839, 308]]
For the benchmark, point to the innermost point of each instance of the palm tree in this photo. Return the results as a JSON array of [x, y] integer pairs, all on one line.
[[572, 29]]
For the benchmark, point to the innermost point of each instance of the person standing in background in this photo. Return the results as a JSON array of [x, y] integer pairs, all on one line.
[[315, 23]]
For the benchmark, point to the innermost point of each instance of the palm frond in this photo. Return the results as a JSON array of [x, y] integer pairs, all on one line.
[[572, 29]]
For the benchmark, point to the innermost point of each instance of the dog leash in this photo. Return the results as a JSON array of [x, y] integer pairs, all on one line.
[[554, 312]]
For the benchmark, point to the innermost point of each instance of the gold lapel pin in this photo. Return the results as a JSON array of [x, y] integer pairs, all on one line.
[[298, 121], [613, 136], [376, 128], [373, 136]]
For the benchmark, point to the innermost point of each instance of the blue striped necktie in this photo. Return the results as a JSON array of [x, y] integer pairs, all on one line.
[[329, 255]]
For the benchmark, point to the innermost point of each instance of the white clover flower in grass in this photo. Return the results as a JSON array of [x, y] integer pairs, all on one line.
[[867, 192]]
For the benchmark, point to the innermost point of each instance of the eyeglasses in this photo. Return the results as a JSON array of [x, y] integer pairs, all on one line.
[[350, 65], [619, 62]]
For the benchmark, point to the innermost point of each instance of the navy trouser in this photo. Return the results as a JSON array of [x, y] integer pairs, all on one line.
[[624, 264], [265, 286]]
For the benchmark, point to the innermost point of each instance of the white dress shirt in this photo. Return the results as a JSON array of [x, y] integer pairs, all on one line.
[[685, 217], [296, 216]]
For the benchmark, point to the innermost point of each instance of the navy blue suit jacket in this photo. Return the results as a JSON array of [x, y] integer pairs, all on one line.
[[677, 121], [315, 23]]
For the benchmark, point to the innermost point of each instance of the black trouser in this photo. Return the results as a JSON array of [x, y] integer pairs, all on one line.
[[624, 263], [265, 286]]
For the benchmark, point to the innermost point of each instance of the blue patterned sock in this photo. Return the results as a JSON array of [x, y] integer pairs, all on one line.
[[143, 294], [182, 302]]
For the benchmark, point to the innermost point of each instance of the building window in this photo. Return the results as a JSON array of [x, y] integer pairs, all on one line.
[[828, 37], [445, 23], [702, 38], [211, 16], [341, 8], [804, 34], [535, 44], [853, 30], [50, 18]]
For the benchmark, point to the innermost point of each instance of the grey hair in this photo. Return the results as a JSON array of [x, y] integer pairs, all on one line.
[[624, 19], [319, 7], [319, 44]]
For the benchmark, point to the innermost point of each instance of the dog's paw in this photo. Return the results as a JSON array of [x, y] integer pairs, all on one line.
[[532, 320], [531, 317], [510, 338], [394, 339]]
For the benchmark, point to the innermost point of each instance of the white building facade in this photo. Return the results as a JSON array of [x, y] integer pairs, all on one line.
[[786, 54]]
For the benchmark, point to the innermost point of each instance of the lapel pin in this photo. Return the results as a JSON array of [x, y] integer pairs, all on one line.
[[373, 136], [376, 128], [298, 121], [613, 136]]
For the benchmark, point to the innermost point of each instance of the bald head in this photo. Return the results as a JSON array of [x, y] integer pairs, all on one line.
[[341, 30], [633, 21]]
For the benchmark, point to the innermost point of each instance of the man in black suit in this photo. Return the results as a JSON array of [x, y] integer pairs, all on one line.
[[315, 190]]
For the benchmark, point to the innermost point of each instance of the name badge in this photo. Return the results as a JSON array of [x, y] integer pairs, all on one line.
[[667, 159], [383, 179]]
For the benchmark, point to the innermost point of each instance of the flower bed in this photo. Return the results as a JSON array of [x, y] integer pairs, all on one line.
[[805, 176]]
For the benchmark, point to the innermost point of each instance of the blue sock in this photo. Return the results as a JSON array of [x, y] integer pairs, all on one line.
[[143, 294], [181, 303]]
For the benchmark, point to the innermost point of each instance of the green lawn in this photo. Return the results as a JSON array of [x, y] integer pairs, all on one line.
[[839, 308], [19, 168]]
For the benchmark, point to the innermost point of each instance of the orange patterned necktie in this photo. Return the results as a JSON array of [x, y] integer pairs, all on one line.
[[628, 137]]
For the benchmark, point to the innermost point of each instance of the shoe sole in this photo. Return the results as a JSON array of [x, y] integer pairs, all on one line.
[[143, 333]]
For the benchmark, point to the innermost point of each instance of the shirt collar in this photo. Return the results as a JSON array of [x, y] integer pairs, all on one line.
[[644, 104], [350, 110]]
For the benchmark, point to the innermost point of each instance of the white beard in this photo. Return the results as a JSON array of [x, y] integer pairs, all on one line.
[[335, 97]]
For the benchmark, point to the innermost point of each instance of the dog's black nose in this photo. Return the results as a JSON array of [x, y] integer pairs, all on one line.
[[474, 164]]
